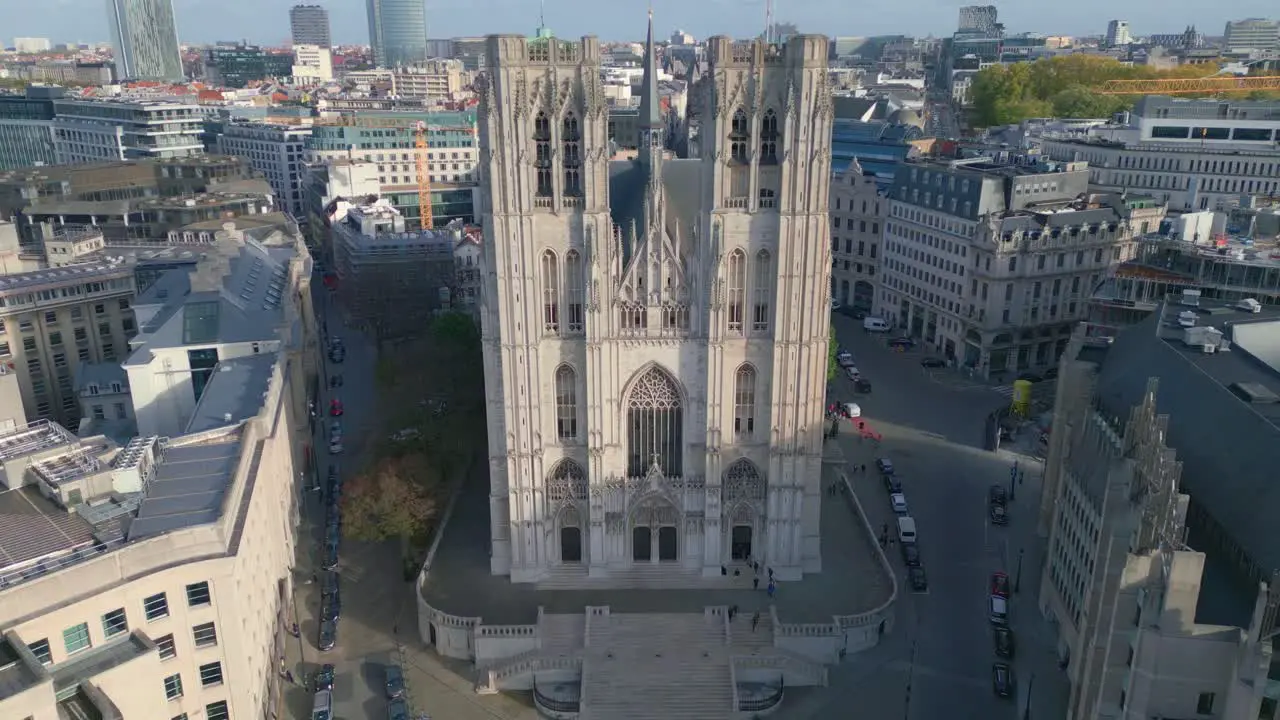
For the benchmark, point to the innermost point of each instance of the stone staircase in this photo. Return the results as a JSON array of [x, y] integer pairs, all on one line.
[[562, 634], [659, 576], [645, 666]]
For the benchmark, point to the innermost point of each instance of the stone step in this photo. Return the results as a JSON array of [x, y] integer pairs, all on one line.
[[561, 634], [745, 640], [659, 576], [624, 688]]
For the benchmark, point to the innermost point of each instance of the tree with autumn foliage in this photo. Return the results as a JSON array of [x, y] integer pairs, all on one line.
[[394, 499], [1064, 86]]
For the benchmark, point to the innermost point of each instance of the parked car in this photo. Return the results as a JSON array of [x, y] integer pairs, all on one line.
[[335, 381], [330, 556], [335, 408], [398, 709], [1000, 584], [932, 363], [892, 484], [997, 495], [1002, 681], [898, 502], [919, 581], [998, 513], [910, 554], [835, 304], [330, 586], [902, 343], [844, 359], [394, 681], [323, 678], [1003, 638], [852, 373], [328, 635], [1050, 373], [884, 465], [862, 385], [330, 609], [335, 447]]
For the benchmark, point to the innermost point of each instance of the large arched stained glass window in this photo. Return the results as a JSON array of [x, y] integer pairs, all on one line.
[[654, 425]]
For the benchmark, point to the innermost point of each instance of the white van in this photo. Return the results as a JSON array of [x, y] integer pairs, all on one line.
[[322, 706], [906, 530], [999, 610], [875, 324]]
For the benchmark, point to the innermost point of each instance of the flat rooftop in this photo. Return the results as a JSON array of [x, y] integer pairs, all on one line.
[[852, 580], [65, 275], [33, 527], [1226, 444], [188, 487], [234, 392]]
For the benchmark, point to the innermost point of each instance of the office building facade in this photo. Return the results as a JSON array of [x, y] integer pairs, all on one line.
[[27, 137], [992, 265], [397, 32], [1118, 33], [277, 151], [1254, 35], [859, 210], [144, 35], [309, 25], [235, 66], [89, 131]]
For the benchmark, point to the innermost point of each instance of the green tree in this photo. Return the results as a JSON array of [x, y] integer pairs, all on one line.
[[393, 499], [832, 349]]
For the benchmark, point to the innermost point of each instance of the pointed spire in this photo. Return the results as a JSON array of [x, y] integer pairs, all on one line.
[[650, 109]]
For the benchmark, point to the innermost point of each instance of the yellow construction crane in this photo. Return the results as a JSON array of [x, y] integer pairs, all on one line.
[[1191, 86], [420, 130]]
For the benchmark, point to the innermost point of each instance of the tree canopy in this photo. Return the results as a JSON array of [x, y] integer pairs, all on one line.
[[390, 500], [1064, 86]]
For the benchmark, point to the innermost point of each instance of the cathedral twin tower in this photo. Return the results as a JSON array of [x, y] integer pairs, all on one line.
[[655, 328]]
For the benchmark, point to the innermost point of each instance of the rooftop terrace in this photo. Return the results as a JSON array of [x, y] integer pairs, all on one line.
[[234, 392]]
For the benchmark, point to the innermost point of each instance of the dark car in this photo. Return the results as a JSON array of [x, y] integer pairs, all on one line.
[[919, 581], [910, 554], [1003, 638], [1050, 373], [323, 679], [884, 465], [1000, 584], [335, 381], [933, 363], [398, 709], [328, 635], [862, 385], [330, 586], [394, 681], [999, 514], [330, 609], [997, 495], [892, 484], [330, 556], [902, 343], [1030, 377], [1002, 681]]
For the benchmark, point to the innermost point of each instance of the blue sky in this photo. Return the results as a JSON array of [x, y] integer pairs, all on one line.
[[267, 21]]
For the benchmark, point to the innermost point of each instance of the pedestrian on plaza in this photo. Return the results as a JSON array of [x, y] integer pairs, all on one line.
[[770, 575], [755, 583], [288, 675], [755, 620], [864, 468], [772, 588]]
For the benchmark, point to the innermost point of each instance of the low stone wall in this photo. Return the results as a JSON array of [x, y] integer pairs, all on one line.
[[451, 635]]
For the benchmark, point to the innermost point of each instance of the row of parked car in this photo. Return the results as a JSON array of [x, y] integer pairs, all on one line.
[[1002, 677], [330, 588], [908, 540]]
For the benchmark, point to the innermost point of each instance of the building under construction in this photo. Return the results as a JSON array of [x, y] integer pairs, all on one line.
[[391, 281]]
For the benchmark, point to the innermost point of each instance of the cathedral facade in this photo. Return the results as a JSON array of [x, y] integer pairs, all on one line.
[[655, 328]]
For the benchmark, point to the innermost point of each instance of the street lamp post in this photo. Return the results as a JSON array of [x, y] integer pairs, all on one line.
[[1017, 578], [1013, 481], [1026, 709]]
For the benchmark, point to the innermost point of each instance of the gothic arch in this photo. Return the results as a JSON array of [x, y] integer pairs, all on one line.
[[654, 418], [566, 485], [743, 482]]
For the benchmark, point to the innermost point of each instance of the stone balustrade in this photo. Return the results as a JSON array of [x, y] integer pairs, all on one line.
[[506, 631]]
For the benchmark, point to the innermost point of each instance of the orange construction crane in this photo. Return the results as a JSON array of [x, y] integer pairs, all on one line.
[[420, 130], [1191, 86]]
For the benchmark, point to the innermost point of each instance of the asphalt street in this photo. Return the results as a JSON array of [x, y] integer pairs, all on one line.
[[937, 661]]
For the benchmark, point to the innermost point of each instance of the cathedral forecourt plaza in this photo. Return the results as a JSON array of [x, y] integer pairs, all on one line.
[[656, 342]]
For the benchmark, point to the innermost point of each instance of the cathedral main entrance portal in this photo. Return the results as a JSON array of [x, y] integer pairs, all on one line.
[[740, 546], [653, 532]]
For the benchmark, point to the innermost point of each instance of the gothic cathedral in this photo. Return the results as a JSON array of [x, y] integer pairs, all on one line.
[[655, 328]]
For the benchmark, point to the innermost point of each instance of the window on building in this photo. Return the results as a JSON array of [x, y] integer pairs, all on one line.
[[571, 138], [55, 338], [550, 292], [156, 607], [121, 412], [166, 647], [573, 281], [114, 623], [762, 289], [542, 151], [769, 138], [211, 674], [28, 344], [82, 353], [4, 349], [1013, 264], [104, 329], [566, 403], [739, 134], [173, 686], [737, 281], [206, 635], [76, 638], [81, 334], [217, 711], [1204, 703], [51, 317], [744, 401], [198, 594], [41, 650], [99, 309]]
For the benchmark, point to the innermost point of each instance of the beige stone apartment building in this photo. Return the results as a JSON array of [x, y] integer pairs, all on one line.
[[858, 212]]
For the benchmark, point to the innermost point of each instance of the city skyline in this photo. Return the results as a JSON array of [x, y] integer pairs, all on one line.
[[267, 23]]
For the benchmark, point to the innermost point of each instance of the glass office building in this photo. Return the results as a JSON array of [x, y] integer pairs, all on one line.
[[145, 37], [398, 32]]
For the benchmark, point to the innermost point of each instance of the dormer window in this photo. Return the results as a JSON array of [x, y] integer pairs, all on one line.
[[93, 388], [116, 388]]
